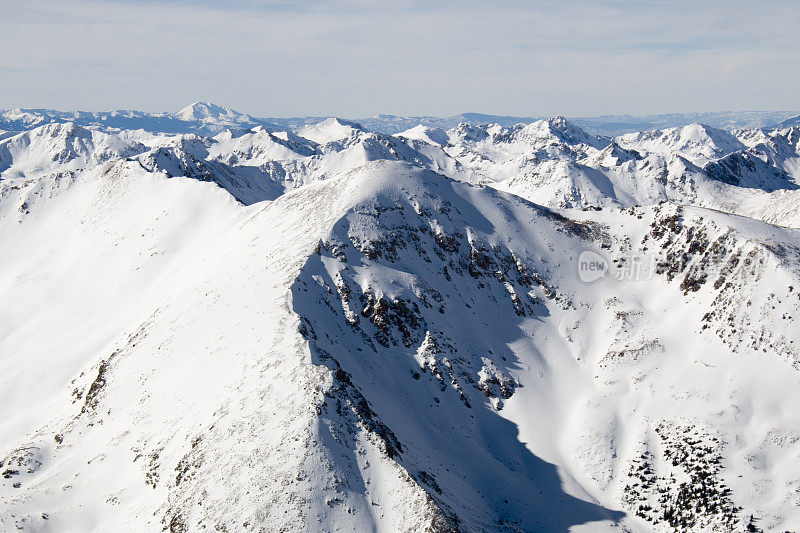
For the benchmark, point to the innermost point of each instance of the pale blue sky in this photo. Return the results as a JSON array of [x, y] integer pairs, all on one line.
[[357, 58]]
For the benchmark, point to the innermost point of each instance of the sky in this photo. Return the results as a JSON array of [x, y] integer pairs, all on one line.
[[356, 58]]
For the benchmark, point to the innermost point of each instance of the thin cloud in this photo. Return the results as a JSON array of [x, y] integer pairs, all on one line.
[[353, 58]]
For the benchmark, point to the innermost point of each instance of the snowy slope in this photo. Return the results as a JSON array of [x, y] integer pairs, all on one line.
[[790, 122], [554, 163], [432, 136], [588, 374], [156, 398], [696, 142], [209, 112], [59, 146], [331, 329]]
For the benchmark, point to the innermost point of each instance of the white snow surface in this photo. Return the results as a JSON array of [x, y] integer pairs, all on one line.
[[333, 329]]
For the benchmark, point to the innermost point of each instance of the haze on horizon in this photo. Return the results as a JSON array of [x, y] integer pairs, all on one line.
[[353, 58]]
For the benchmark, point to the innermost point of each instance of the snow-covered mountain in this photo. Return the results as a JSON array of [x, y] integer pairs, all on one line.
[[202, 118], [206, 118], [601, 125], [793, 121], [554, 163], [208, 112], [528, 327], [697, 142]]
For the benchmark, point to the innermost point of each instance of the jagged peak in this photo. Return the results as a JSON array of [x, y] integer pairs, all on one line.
[[560, 121], [563, 130], [468, 131]]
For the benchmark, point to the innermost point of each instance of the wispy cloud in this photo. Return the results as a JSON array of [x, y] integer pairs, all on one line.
[[354, 57]]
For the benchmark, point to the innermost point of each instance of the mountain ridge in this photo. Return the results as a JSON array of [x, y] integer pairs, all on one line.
[[204, 117], [327, 327]]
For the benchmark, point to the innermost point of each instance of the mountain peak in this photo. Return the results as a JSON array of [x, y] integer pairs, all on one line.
[[564, 130], [435, 136], [329, 130], [207, 111], [700, 143], [560, 123]]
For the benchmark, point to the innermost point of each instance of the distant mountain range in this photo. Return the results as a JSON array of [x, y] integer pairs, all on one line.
[[602, 125], [206, 118]]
